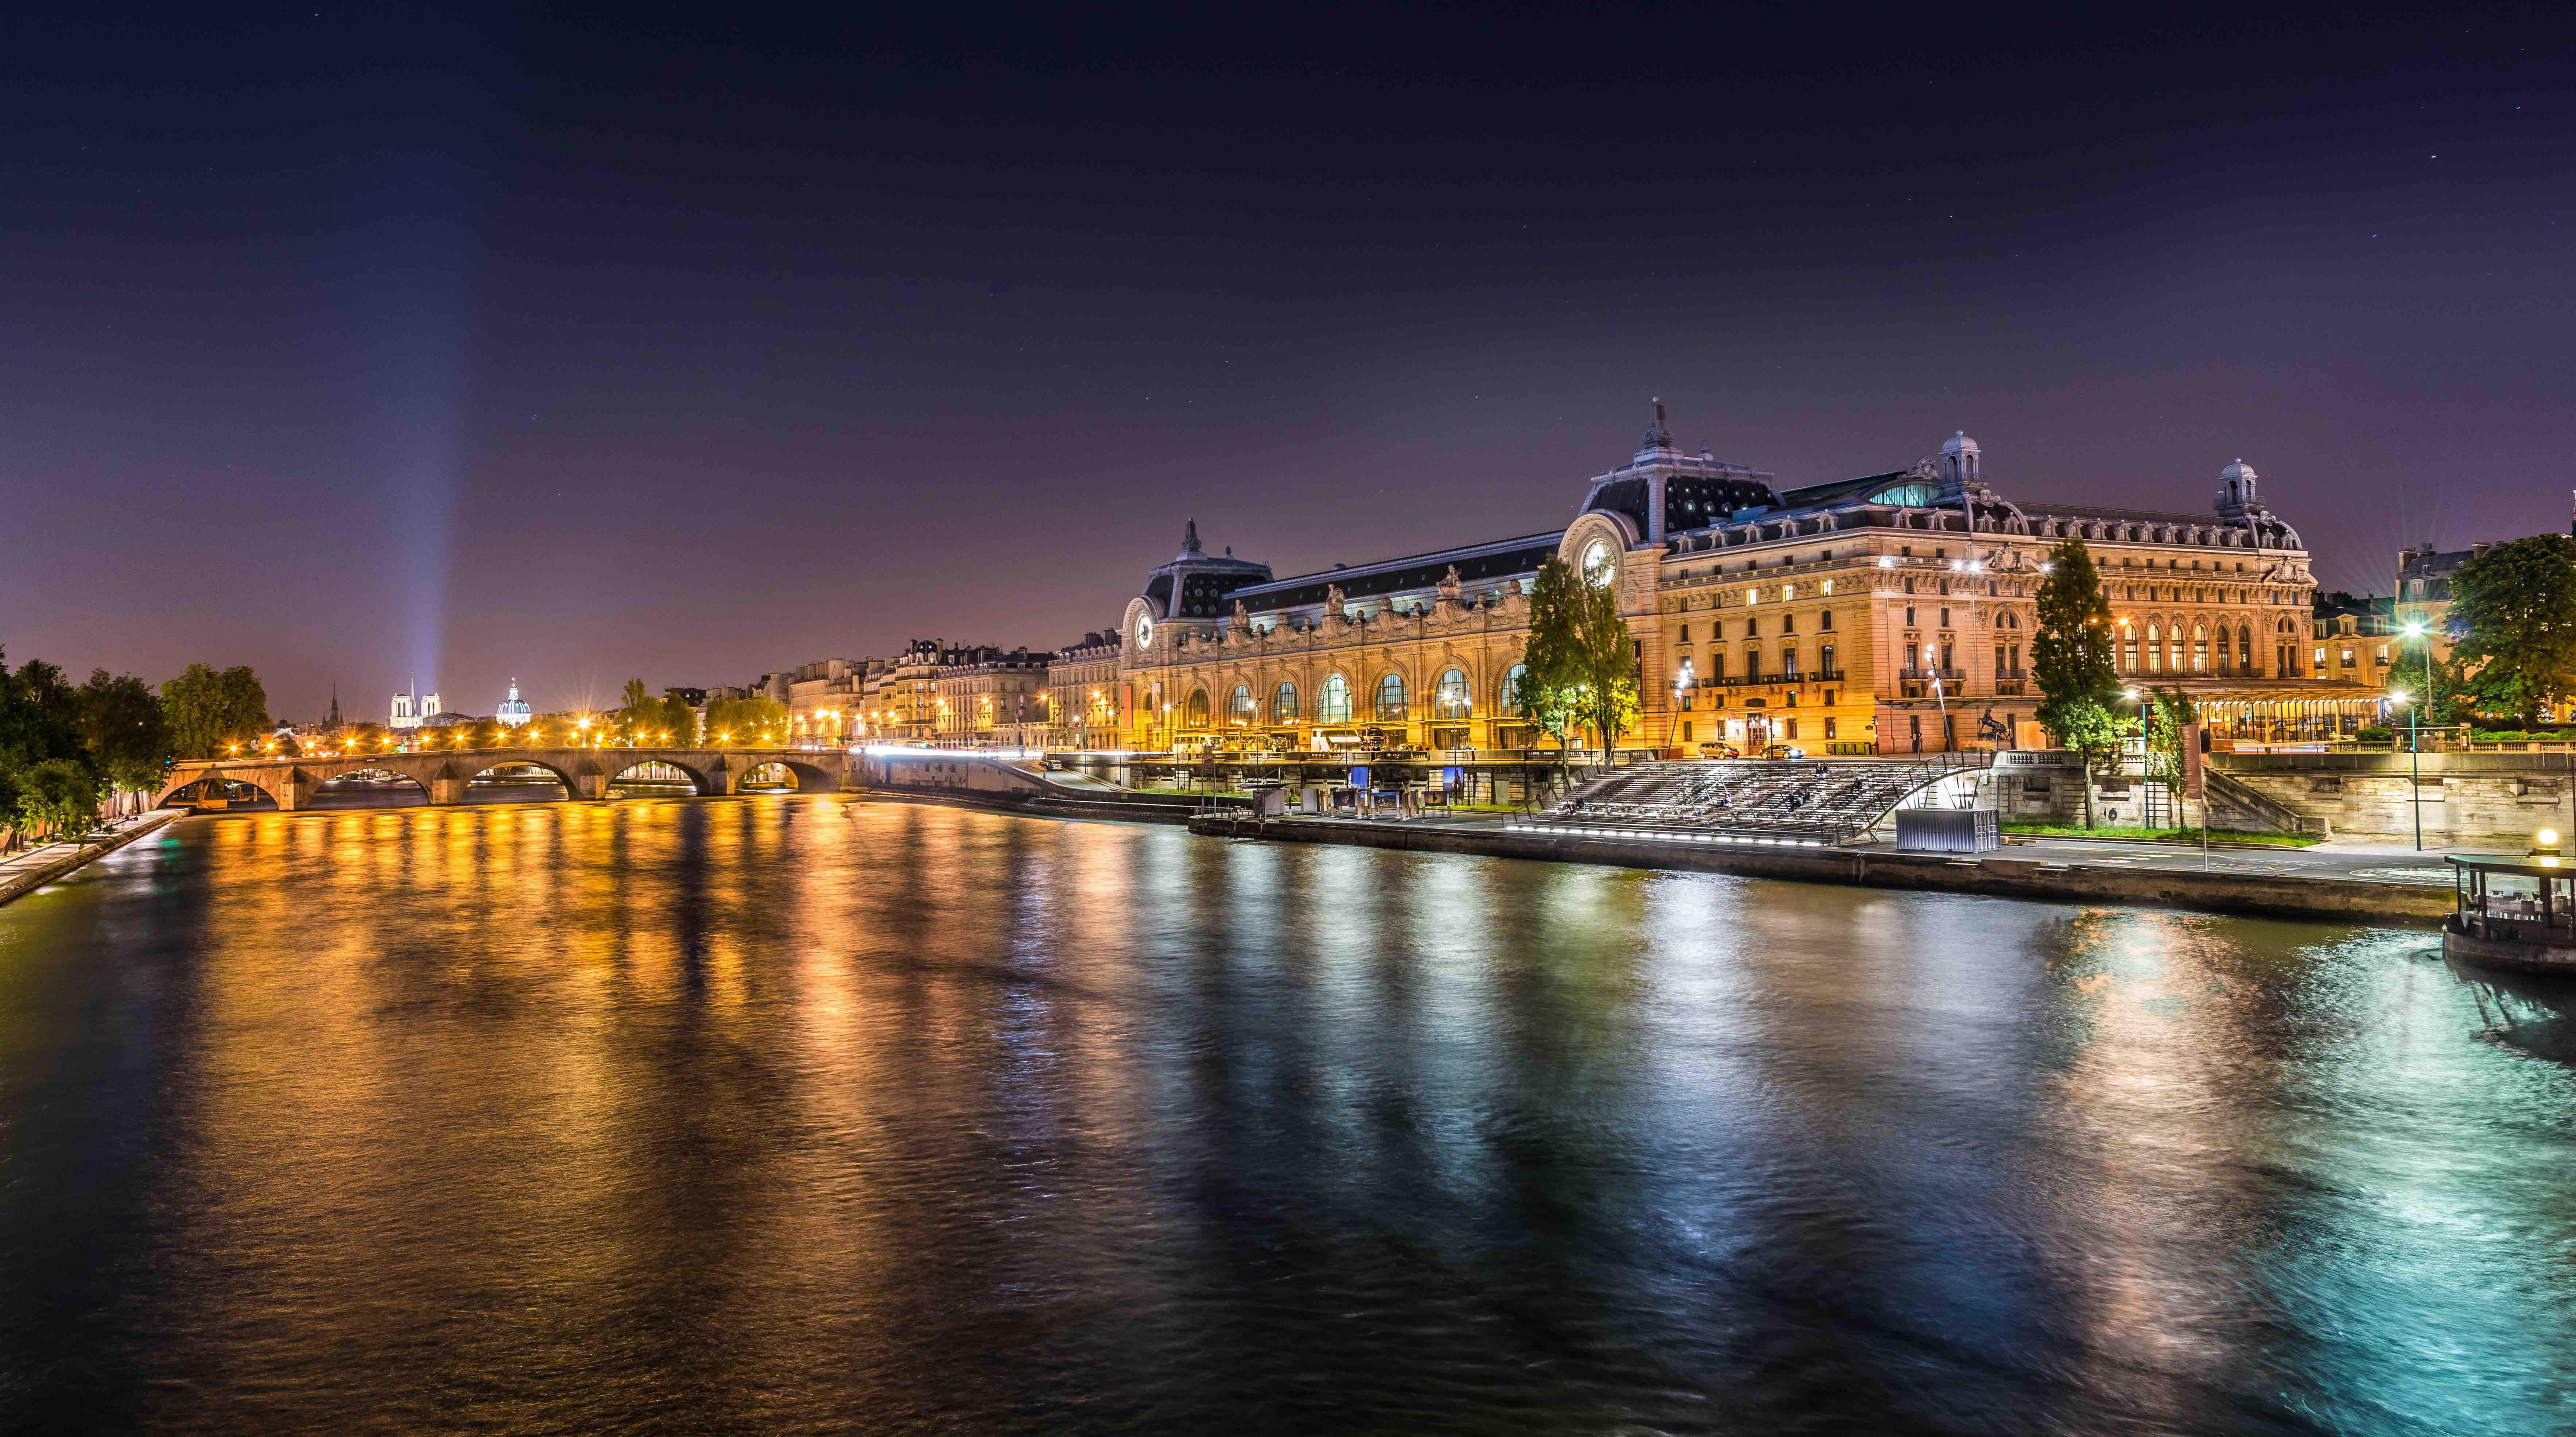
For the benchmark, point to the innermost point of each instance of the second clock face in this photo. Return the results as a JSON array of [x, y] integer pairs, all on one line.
[[1144, 632], [1600, 565]]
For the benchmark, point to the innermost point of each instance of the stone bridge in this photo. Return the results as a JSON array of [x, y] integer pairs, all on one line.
[[584, 772]]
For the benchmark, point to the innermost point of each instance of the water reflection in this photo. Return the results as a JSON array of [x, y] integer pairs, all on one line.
[[786, 1114]]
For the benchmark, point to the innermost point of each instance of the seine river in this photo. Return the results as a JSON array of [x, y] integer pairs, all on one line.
[[782, 1114]]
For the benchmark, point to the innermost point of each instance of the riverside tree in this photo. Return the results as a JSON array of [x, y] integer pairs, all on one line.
[[127, 734], [679, 721], [2173, 710], [48, 779], [2072, 662], [207, 710], [2515, 609], [1581, 666], [745, 721]]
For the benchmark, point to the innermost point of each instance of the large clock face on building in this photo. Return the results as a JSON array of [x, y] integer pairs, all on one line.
[[1600, 565], [1144, 631]]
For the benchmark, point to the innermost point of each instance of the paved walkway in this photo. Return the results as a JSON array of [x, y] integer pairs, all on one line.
[[32, 869]]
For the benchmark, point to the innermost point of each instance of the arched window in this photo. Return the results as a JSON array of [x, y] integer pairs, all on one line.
[[2128, 649], [1283, 704], [2244, 646], [2155, 651], [1198, 708], [1333, 705], [1390, 699], [1513, 702], [2199, 650], [1449, 701], [1240, 713]]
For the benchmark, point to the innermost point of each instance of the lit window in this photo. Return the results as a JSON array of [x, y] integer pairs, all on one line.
[[1449, 700]]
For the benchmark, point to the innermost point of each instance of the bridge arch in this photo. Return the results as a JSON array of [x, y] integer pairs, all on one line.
[[326, 774], [697, 774], [465, 771], [171, 794], [809, 776]]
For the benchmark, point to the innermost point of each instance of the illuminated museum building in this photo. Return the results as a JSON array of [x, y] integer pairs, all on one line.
[[1889, 613]]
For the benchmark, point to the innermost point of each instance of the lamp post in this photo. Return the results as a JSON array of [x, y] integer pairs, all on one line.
[[2132, 697], [1682, 682], [2415, 737]]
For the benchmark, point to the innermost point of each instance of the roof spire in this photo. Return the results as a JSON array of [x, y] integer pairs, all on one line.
[[1190, 538], [1657, 436]]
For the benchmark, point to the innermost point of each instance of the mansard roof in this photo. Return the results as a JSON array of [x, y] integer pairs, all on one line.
[[1496, 559]]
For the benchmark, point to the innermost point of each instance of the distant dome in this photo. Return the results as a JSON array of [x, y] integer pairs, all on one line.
[[1959, 443], [2238, 470]]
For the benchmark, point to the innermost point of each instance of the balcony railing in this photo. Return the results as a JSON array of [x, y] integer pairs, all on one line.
[[1927, 675], [1738, 681]]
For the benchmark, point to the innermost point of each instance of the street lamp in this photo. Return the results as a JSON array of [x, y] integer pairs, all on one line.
[[1682, 681], [2415, 734]]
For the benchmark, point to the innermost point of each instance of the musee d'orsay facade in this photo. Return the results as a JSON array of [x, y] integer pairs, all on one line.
[[1890, 613]]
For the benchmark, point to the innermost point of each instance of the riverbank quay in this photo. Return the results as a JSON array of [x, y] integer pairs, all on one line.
[[26, 872], [2272, 890]]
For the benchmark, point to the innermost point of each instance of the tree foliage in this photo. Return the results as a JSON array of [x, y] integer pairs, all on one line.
[[679, 720], [746, 720], [123, 727], [2515, 607], [1581, 659], [2168, 710], [2071, 660], [1551, 660], [208, 709]]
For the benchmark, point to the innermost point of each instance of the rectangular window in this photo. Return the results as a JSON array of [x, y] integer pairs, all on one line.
[[1909, 616], [1752, 665], [1829, 728], [1717, 667], [1948, 661], [2321, 660], [1685, 633], [1825, 660], [1789, 727], [1788, 623], [1686, 731], [1825, 620], [1999, 661], [1788, 663], [1945, 618]]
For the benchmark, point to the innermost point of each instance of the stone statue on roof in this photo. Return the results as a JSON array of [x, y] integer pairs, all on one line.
[[1449, 585]]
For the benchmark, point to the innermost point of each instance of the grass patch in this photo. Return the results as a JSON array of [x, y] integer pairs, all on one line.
[[2163, 835]]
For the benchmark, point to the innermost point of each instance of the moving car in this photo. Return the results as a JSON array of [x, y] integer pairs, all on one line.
[[1784, 750]]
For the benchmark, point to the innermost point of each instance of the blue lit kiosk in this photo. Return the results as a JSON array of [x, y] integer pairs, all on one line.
[[2517, 913]]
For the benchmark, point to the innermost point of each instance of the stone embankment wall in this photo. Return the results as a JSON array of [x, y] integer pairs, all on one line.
[[1995, 875], [64, 859], [2470, 800]]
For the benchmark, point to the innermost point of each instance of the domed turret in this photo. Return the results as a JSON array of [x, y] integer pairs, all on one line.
[[2236, 490], [1958, 460]]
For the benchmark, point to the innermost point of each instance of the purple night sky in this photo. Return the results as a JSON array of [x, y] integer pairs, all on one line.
[[359, 345]]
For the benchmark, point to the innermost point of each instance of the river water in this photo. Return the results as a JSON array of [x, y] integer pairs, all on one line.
[[785, 1114]]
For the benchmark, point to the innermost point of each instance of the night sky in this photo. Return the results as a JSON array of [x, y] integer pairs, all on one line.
[[357, 345]]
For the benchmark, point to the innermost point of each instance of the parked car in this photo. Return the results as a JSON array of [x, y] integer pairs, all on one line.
[[1719, 750], [1784, 750]]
